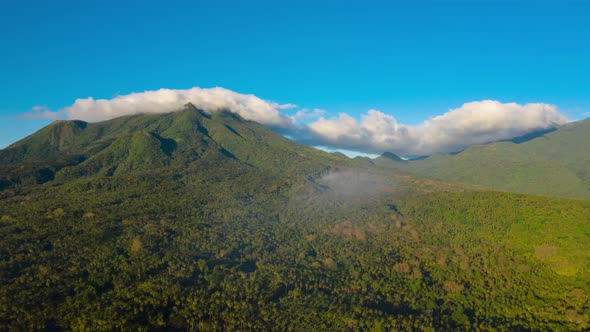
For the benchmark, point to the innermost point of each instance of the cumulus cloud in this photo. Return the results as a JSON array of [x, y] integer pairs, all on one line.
[[211, 100], [305, 114], [473, 123], [41, 112]]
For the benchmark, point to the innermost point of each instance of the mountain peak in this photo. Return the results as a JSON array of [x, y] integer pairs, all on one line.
[[190, 106], [192, 109], [391, 156]]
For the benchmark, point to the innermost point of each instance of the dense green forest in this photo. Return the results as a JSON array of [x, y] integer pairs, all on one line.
[[191, 221]]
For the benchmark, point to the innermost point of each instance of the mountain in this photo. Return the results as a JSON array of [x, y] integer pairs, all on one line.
[[557, 162], [196, 221], [388, 159], [171, 141]]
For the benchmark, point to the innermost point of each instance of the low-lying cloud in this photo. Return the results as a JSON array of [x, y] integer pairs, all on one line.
[[211, 100], [355, 184], [472, 123]]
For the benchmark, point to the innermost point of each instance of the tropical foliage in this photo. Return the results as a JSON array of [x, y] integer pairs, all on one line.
[[197, 222]]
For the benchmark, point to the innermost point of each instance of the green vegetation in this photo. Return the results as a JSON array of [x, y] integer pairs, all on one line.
[[189, 221], [556, 163]]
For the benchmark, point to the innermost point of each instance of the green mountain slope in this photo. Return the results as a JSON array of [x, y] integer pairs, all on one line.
[[171, 141], [190, 221], [557, 163]]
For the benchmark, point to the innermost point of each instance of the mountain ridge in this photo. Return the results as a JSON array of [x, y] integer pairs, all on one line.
[[554, 163]]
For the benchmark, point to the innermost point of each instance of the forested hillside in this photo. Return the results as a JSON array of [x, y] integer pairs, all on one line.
[[192, 221], [555, 163]]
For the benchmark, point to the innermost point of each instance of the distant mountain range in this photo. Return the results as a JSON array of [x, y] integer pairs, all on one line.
[[556, 162], [207, 222]]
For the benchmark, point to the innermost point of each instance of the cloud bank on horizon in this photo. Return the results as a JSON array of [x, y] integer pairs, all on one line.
[[473, 123]]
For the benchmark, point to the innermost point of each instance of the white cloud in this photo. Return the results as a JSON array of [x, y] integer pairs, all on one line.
[[473, 123], [284, 106], [41, 112], [305, 114], [376, 132], [211, 100]]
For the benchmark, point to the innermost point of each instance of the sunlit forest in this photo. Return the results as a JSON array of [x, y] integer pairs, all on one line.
[[190, 221]]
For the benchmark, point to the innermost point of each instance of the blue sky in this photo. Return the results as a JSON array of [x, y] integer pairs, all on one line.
[[411, 61]]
